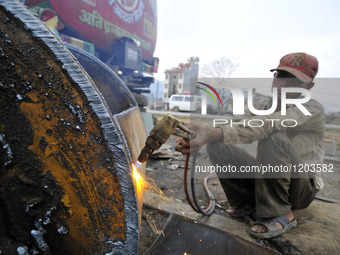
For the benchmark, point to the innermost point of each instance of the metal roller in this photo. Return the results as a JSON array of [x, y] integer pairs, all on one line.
[[65, 181]]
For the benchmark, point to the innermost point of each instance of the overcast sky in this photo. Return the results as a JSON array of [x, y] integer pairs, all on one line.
[[256, 34]]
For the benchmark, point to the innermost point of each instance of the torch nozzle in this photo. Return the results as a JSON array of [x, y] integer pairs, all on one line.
[[138, 164]]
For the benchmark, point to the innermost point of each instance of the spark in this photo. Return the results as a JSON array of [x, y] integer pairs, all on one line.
[[198, 238]]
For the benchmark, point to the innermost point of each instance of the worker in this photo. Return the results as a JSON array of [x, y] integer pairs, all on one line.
[[293, 150]]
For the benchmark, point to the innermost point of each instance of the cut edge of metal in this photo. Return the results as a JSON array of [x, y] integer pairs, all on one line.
[[103, 66], [100, 108]]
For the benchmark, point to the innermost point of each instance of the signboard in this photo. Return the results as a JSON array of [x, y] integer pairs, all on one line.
[[103, 21]]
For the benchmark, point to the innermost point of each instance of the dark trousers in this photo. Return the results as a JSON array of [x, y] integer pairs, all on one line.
[[273, 195]]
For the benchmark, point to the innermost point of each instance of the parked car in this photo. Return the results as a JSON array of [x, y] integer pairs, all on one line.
[[187, 103]]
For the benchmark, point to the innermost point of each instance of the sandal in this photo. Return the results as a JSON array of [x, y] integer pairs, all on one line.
[[272, 228], [240, 211]]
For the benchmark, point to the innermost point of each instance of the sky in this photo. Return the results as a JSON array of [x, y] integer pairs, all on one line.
[[255, 34]]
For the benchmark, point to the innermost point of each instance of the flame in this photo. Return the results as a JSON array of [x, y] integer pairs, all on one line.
[[139, 181]]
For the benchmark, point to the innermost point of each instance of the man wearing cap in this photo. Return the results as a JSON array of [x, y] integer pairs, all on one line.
[[273, 197]]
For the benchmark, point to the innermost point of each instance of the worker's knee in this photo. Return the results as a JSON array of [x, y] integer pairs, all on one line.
[[213, 147], [218, 149], [277, 149], [274, 140]]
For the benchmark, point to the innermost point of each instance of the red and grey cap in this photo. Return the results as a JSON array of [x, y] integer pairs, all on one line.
[[302, 65]]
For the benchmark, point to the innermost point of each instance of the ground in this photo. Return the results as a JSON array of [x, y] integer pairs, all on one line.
[[165, 178]]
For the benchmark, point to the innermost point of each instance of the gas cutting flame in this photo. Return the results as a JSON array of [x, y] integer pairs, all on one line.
[[139, 181]]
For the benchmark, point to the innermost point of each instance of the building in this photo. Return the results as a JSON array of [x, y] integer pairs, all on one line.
[[179, 79]]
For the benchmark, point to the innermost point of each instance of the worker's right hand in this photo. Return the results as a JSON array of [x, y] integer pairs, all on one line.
[[203, 136]]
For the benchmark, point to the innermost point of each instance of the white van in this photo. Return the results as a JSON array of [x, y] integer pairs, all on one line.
[[185, 103]]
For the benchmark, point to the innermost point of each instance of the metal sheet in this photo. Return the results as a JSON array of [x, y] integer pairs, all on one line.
[[182, 236]]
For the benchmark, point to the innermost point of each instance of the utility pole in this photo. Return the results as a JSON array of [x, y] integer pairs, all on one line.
[[157, 94]]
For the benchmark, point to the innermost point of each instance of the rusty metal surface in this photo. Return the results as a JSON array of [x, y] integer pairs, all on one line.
[[182, 236], [63, 173]]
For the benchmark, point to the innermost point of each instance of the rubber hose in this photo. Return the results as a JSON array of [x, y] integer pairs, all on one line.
[[186, 166], [197, 207], [328, 200]]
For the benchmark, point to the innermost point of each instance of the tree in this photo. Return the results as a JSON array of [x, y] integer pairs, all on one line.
[[220, 69]]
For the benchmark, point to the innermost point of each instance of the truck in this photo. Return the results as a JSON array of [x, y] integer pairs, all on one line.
[[122, 34]]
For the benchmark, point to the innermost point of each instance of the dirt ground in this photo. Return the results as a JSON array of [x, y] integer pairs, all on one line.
[[165, 176]]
